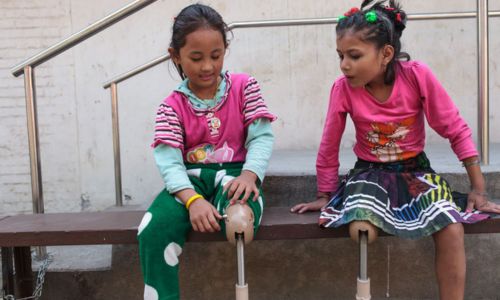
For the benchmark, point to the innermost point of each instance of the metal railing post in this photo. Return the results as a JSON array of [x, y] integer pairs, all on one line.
[[483, 80], [34, 147], [116, 144]]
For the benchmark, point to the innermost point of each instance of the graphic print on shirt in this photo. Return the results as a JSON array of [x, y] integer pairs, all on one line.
[[207, 154], [384, 137], [213, 124]]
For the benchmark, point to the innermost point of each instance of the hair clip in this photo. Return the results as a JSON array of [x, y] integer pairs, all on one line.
[[398, 17], [351, 11], [371, 16], [340, 18], [387, 7]]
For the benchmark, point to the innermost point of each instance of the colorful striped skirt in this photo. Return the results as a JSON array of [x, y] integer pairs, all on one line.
[[406, 199]]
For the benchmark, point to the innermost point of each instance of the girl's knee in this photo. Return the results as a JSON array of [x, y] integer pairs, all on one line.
[[145, 222], [154, 228], [455, 230], [453, 233], [147, 231]]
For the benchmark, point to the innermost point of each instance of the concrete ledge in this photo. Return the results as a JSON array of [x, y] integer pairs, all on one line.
[[120, 227], [303, 162], [291, 176]]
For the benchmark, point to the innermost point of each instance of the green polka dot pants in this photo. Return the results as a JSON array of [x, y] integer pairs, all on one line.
[[164, 227]]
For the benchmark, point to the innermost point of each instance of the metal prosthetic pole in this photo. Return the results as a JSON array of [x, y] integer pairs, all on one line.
[[239, 220], [241, 285], [363, 233], [363, 285]]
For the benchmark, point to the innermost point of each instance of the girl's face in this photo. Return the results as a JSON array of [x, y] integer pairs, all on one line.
[[361, 62], [201, 59]]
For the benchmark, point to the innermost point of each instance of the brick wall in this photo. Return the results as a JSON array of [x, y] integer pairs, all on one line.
[[26, 28]]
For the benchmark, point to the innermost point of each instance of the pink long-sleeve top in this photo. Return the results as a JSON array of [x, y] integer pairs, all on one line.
[[392, 130]]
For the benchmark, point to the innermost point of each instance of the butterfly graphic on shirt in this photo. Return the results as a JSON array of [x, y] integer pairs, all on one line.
[[207, 154], [383, 140]]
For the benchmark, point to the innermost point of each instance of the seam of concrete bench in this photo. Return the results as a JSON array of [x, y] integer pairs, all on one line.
[[120, 227]]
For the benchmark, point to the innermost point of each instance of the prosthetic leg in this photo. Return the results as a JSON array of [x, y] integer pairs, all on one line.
[[239, 220], [364, 233]]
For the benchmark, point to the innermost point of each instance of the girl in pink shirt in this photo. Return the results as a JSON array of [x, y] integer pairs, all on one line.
[[212, 143], [392, 185]]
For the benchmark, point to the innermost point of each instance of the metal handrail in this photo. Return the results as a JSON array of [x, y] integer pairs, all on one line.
[[137, 70], [483, 81], [27, 68], [80, 36], [290, 22]]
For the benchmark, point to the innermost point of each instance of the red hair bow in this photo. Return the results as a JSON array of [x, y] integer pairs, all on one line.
[[351, 11]]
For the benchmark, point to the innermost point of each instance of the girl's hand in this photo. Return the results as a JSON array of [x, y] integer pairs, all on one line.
[[242, 185], [310, 206], [478, 197], [479, 200], [204, 216]]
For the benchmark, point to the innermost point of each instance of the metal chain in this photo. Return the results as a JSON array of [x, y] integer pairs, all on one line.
[[40, 279], [5, 297], [387, 294]]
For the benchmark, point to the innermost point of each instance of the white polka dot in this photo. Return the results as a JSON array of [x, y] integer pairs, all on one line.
[[150, 293], [219, 205], [218, 177], [171, 253], [226, 179], [145, 221], [261, 203], [194, 172]]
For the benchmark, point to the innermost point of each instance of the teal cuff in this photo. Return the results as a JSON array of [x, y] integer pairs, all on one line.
[[172, 169], [259, 144]]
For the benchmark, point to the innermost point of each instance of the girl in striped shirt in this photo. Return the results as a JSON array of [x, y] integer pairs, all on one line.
[[212, 143]]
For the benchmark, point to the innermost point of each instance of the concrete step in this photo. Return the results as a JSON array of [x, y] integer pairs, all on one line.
[[302, 162], [291, 176]]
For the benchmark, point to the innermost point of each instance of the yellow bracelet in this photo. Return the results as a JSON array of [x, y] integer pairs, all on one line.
[[192, 199]]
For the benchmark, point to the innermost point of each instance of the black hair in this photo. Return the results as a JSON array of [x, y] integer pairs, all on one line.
[[192, 18], [385, 29]]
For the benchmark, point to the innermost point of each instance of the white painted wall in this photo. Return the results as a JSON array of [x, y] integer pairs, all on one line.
[[295, 66]]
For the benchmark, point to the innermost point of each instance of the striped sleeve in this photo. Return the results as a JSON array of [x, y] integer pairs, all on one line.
[[254, 106], [168, 129]]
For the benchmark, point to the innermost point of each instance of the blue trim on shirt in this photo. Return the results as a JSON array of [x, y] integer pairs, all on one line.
[[198, 103]]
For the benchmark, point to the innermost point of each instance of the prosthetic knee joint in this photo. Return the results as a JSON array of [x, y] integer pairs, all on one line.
[[239, 220], [364, 233]]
